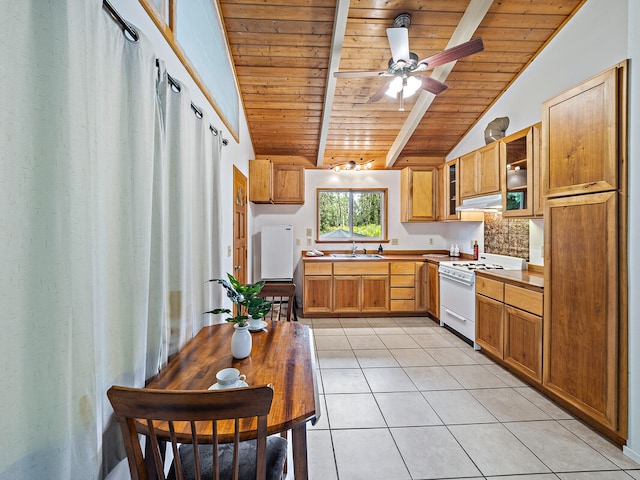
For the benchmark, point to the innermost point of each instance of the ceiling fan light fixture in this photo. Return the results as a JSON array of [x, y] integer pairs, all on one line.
[[394, 87], [412, 86], [408, 86]]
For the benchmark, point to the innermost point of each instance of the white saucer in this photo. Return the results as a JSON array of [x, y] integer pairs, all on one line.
[[216, 386], [262, 326]]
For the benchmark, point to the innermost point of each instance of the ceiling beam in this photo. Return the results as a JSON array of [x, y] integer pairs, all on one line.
[[339, 28], [469, 23]]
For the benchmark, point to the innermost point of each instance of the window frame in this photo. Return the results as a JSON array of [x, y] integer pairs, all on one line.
[[384, 212]]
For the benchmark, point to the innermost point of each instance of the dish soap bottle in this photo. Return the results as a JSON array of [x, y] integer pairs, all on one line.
[[380, 249], [475, 249]]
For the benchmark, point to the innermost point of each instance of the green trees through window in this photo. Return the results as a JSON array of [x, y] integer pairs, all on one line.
[[346, 215]]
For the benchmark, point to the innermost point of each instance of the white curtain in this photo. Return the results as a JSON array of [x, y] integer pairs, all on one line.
[[88, 204], [191, 217]]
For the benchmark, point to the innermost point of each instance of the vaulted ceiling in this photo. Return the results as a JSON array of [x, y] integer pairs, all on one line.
[[285, 53]]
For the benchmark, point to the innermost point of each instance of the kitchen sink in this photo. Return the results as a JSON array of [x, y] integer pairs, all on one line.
[[356, 255]]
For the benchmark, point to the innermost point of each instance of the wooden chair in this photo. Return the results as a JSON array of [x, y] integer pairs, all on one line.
[[283, 297], [173, 416]]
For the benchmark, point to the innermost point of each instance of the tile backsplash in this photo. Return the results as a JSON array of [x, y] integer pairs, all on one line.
[[506, 236]]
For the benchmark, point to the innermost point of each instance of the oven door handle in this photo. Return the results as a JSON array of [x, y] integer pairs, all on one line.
[[457, 280], [453, 314]]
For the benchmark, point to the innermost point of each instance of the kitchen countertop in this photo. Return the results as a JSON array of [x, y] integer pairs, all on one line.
[[526, 278], [434, 257]]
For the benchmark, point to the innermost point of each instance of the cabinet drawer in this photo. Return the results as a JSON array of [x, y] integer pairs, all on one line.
[[527, 300], [317, 268], [403, 293], [490, 288], [358, 267], [403, 280], [403, 268], [403, 305]]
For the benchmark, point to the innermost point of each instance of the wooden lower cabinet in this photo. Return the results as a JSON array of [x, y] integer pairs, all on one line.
[[318, 296], [490, 325], [403, 287], [360, 287], [346, 293], [433, 279], [509, 325], [360, 293], [523, 342], [318, 288], [375, 293], [582, 340]]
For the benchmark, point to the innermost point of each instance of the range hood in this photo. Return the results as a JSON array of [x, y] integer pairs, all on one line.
[[486, 203]]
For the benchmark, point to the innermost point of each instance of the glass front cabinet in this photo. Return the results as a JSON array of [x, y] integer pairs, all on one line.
[[451, 193], [519, 156]]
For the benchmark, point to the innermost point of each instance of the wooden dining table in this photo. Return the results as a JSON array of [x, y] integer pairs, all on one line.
[[282, 355]]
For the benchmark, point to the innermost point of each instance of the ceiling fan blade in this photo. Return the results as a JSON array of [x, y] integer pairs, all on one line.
[[399, 43], [431, 84], [380, 93], [454, 53], [359, 74]]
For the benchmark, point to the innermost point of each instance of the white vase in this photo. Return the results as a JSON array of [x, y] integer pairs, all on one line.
[[241, 342]]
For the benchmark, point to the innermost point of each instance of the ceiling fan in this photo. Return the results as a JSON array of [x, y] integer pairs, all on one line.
[[405, 68]]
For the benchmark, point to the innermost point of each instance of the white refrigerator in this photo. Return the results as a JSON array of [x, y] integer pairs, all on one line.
[[276, 252]]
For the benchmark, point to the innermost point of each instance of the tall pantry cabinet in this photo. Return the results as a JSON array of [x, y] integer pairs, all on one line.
[[584, 137]]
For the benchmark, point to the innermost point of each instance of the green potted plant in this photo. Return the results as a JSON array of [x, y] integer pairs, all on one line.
[[246, 299], [248, 305]]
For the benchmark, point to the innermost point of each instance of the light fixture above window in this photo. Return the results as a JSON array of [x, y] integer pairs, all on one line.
[[352, 165]]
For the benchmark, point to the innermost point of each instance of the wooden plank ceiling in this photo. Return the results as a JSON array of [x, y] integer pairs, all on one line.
[[281, 51]]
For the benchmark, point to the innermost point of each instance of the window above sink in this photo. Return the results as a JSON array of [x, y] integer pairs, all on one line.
[[347, 215]]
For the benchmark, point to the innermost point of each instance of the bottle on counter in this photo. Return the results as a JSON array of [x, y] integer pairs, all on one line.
[[456, 250], [380, 249], [451, 251], [475, 249]]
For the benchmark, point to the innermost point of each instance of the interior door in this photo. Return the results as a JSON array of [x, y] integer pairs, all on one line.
[[239, 226]]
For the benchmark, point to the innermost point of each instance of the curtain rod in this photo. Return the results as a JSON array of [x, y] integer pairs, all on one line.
[[132, 35], [127, 28]]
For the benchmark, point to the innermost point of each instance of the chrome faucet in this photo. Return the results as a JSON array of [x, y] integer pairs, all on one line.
[[353, 248]]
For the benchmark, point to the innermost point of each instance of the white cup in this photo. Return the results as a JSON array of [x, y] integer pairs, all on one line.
[[255, 323], [229, 377]]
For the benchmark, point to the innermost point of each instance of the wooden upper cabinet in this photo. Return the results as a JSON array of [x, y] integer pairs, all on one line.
[[584, 157], [489, 169], [288, 184], [260, 181], [468, 166], [417, 194], [480, 171], [450, 191], [275, 183], [519, 154]]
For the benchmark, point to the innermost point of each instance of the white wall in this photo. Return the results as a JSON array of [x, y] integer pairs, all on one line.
[[234, 153], [601, 34]]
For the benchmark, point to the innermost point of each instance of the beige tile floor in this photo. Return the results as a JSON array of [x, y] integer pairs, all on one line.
[[403, 398]]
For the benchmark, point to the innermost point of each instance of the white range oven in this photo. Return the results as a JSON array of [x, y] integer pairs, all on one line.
[[458, 289]]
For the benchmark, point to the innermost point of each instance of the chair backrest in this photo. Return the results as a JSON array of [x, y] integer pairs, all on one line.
[[189, 417], [282, 295]]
